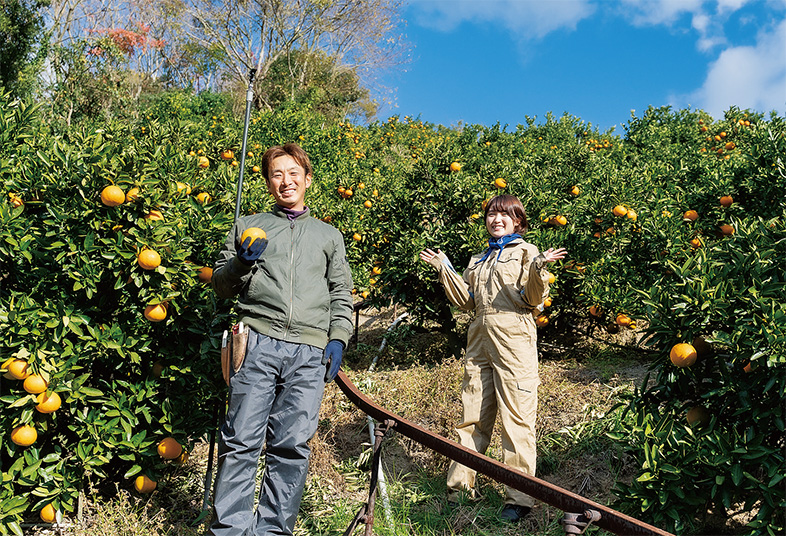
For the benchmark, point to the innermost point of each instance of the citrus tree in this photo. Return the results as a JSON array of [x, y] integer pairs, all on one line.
[[675, 230]]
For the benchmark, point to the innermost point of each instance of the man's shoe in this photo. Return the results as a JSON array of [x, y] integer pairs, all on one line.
[[514, 513]]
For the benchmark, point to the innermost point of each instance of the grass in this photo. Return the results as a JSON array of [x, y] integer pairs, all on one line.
[[418, 378]]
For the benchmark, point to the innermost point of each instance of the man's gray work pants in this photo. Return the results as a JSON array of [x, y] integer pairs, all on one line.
[[274, 401]]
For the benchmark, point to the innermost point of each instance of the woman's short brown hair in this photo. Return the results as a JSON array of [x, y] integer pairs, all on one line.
[[510, 205], [289, 149]]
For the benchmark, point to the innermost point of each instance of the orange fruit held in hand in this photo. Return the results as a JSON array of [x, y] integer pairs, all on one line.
[[690, 215], [155, 313], [169, 448], [18, 369], [144, 485], [112, 196], [24, 435], [205, 274], [148, 259], [683, 355], [455, 166], [48, 403], [35, 383], [726, 201], [254, 233], [48, 513]]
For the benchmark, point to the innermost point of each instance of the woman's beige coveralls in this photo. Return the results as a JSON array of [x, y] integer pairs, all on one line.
[[501, 363]]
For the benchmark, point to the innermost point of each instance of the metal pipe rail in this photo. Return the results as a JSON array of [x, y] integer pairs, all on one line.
[[592, 512]]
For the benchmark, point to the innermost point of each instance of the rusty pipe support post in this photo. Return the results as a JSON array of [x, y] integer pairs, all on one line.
[[578, 523]]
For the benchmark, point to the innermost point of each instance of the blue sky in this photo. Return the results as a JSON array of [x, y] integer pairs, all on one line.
[[489, 61]]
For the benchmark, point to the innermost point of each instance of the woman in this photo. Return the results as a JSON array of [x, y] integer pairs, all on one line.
[[504, 285]]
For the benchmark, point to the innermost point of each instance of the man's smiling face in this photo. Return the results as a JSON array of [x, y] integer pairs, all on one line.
[[287, 182]]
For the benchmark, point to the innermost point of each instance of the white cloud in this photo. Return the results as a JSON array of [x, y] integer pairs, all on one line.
[[525, 19], [747, 77]]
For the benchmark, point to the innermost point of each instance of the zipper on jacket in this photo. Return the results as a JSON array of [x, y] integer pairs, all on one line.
[[291, 276]]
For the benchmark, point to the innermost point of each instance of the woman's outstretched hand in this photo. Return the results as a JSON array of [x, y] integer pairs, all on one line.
[[552, 255]]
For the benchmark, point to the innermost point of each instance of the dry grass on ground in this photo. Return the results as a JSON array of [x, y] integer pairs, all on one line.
[[417, 378]]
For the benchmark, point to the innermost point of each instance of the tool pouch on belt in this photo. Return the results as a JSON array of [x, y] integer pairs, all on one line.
[[233, 349]]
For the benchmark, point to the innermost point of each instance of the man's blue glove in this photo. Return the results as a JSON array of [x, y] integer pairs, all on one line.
[[249, 251], [334, 352]]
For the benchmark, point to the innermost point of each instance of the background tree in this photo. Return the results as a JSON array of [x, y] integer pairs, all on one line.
[[286, 35], [21, 25]]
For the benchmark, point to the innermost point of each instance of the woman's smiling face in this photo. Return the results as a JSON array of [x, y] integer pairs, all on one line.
[[500, 224]]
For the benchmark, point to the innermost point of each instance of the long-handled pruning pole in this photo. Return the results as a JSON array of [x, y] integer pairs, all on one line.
[[218, 410]]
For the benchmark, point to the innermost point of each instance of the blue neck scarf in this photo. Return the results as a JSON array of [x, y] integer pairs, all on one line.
[[498, 243]]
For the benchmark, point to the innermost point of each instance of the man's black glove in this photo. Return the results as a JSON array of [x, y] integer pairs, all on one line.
[[249, 251], [334, 352]]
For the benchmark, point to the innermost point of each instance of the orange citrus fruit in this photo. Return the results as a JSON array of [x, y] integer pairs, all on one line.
[[254, 233], [726, 201], [547, 302], [203, 198], [727, 229], [255, 169], [182, 187], [575, 190], [132, 195], [35, 383], [227, 154], [205, 274], [112, 196], [144, 485], [500, 183], [48, 513], [455, 166], [154, 215], [155, 313], [182, 459], [367, 204], [698, 415], [695, 243], [542, 321], [683, 355], [552, 279], [18, 369], [169, 448], [148, 259], [24, 435], [623, 320], [203, 162], [690, 215], [48, 403], [561, 221], [596, 311], [356, 237], [619, 210]]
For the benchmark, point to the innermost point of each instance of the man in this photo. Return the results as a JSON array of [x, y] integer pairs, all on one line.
[[295, 299]]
